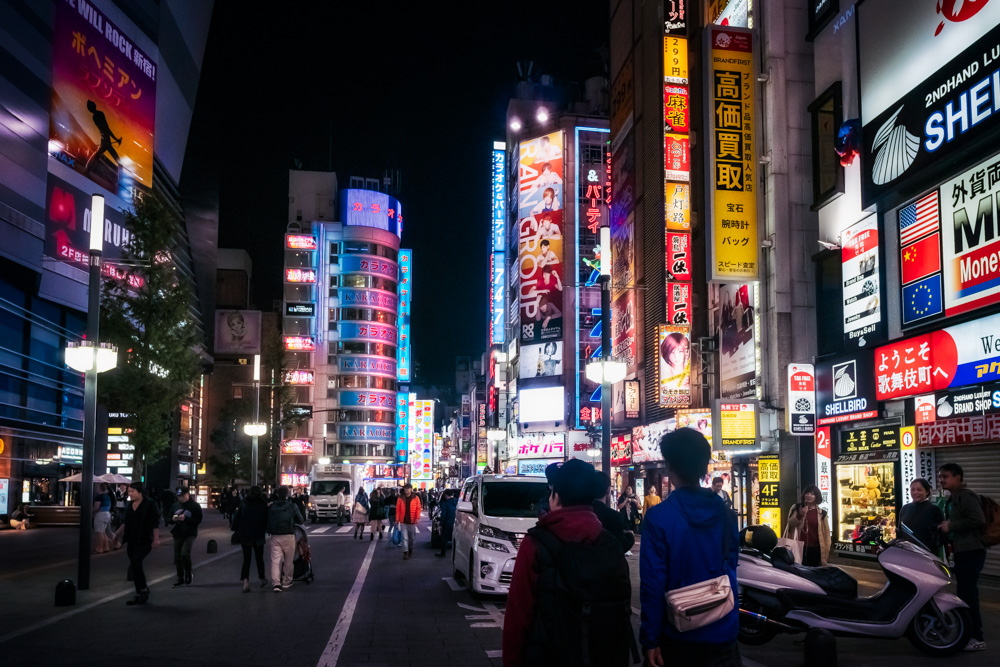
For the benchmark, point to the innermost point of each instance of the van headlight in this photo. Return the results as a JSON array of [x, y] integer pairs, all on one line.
[[495, 533], [493, 546]]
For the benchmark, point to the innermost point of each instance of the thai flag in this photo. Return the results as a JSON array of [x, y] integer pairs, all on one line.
[[918, 219]]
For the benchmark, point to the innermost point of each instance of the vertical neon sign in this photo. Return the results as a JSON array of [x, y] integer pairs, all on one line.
[[403, 310], [498, 260]]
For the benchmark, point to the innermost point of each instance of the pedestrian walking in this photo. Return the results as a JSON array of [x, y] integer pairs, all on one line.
[[628, 505], [250, 527], [390, 513], [922, 517], [810, 524], [142, 521], [965, 527], [446, 523], [282, 517], [359, 514], [376, 510], [341, 502], [185, 515], [611, 520], [408, 515], [690, 541], [103, 503], [570, 595], [717, 484]]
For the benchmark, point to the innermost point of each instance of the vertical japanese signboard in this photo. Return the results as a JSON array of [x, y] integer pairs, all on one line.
[[674, 366], [498, 257], [732, 188], [739, 340], [422, 446], [402, 427], [405, 293], [862, 283], [801, 407], [677, 175], [824, 467], [622, 292], [540, 238], [769, 482]]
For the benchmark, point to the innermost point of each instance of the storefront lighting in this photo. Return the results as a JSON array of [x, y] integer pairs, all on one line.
[[515, 124], [606, 370], [81, 356], [324, 461]]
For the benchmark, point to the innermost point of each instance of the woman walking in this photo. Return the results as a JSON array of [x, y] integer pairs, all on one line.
[[376, 511], [250, 526], [809, 523], [359, 516], [102, 519]]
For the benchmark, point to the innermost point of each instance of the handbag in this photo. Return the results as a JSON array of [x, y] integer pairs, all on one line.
[[700, 604], [793, 545]]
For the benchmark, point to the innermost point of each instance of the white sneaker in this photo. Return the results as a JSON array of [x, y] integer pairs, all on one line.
[[629, 553], [975, 645]]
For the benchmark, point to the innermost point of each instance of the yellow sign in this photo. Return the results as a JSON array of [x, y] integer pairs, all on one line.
[[737, 425], [768, 489], [1, 445], [734, 209], [675, 59], [908, 438], [678, 197]]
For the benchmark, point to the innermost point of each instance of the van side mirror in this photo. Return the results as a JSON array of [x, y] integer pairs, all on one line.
[[465, 506]]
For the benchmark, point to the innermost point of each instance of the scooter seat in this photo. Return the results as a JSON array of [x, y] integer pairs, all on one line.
[[833, 580]]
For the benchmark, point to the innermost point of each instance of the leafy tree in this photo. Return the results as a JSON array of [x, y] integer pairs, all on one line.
[[148, 317], [231, 458]]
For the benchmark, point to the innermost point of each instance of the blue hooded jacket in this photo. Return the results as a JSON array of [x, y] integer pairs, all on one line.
[[684, 541]]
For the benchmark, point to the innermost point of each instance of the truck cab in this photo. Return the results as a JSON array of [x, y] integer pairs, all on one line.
[[325, 481]]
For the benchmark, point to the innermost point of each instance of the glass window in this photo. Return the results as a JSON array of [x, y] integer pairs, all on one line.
[[828, 174], [354, 280], [357, 247], [829, 293], [513, 499]]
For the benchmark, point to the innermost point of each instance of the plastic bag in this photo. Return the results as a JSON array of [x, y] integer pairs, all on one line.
[[397, 536]]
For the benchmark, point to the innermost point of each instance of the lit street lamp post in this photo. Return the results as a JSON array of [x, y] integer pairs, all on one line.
[[256, 429], [91, 358]]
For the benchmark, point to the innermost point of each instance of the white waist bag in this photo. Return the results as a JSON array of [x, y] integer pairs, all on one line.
[[700, 604]]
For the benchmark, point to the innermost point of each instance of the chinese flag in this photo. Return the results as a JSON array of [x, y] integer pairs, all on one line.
[[920, 259]]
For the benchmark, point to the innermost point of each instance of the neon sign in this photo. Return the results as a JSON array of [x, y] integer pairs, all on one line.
[[296, 447], [300, 242], [300, 275], [300, 377], [499, 195], [300, 343], [403, 351]]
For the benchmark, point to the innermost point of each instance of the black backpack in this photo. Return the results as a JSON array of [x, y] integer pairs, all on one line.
[[583, 603]]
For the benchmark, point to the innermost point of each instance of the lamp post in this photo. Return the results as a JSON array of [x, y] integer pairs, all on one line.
[[256, 431], [91, 358]]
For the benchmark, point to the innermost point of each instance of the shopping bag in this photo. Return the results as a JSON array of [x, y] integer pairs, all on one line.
[[397, 536], [793, 545]]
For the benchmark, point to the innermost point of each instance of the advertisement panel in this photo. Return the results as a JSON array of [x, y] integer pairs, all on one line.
[[498, 223], [367, 365], [103, 100], [353, 297], [300, 275], [623, 329], [623, 338], [300, 309], [369, 398], [368, 208], [540, 445], [535, 468], [646, 441], [633, 399], [237, 332], [541, 360], [733, 196], [300, 242], [674, 375], [621, 450], [376, 266], [300, 377], [676, 110], [735, 427], [903, 368], [366, 433], [874, 439], [675, 59], [422, 448], [540, 175], [67, 225], [769, 485], [402, 448], [738, 340], [541, 404], [824, 469], [926, 100], [862, 291], [300, 343], [678, 207], [367, 331], [679, 303], [540, 252], [801, 407], [677, 157], [296, 447], [678, 256], [845, 389], [699, 420], [498, 297], [623, 177], [403, 314]]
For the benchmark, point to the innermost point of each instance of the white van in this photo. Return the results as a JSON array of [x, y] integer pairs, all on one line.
[[494, 513]]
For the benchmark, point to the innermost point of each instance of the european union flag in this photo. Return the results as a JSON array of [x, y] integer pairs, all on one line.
[[922, 299]]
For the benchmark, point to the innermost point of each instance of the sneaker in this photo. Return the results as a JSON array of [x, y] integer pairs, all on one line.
[[629, 553], [176, 584], [277, 589], [285, 587], [406, 555], [975, 645], [263, 583], [188, 579]]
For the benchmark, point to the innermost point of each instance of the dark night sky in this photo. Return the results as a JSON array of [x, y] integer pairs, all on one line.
[[420, 87]]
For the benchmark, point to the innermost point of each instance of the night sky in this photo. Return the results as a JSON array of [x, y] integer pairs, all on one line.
[[422, 88]]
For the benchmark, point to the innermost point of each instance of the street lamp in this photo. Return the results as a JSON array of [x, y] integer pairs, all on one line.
[[606, 370], [256, 429], [90, 357]]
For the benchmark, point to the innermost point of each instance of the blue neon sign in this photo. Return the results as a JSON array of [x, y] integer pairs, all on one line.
[[498, 288], [499, 196], [403, 321]]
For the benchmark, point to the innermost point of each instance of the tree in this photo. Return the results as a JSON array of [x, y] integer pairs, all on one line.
[[148, 317], [231, 460]]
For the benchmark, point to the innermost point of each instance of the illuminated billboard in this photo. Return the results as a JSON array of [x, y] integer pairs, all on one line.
[[498, 297], [540, 175], [541, 360], [402, 439], [369, 298], [103, 100], [367, 365], [674, 366], [405, 294], [300, 309], [237, 332], [739, 340], [300, 377], [371, 265], [368, 208], [367, 331], [296, 447], [368, 398], [623, 319], [499, 219], [365, 433], [67, 225], [300, 343], [300, 275], [541, 445], [300, 241], [422, 447], [543, 404]]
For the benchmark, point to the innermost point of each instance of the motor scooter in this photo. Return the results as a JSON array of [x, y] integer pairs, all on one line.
[[778, 596]]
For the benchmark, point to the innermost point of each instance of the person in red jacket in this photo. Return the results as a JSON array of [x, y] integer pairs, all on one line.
[[570, 519], [407, 515]]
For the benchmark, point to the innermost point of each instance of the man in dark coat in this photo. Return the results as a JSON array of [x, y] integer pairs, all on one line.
[[611, 520], [449, 505], [185, 515], [142, 519]]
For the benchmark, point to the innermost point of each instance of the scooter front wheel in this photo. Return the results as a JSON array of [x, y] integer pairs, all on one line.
[[753, 632], [940, 634]]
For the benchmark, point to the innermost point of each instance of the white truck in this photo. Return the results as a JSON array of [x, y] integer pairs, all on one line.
[[326, 480]]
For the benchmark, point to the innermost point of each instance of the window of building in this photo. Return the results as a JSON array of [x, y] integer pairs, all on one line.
[[334, 252], [829, 301], [592, 153], [357, 248], [828, 175]]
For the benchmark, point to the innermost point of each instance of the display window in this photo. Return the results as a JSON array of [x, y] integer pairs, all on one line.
[[866, 496]]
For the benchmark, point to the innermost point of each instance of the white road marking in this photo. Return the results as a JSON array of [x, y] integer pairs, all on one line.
[[494, 654], [416, 529], [488, 616], [319, 530], [79, 610], [345, 529], [339, 635], [452, 584]]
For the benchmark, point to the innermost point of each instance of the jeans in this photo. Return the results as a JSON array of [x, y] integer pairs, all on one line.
[[697, 654], [136, 554], [968, 566], [409, 534], [258, 552], [182, 555], [282, 555]]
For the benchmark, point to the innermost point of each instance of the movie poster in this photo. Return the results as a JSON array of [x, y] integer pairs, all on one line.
[[103, 101], [540, 175], [541, 360]]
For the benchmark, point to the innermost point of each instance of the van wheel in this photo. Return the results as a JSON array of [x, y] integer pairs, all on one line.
[[468, 582], [454, 566]]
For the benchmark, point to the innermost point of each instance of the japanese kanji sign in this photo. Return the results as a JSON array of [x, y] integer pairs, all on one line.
[[733, 198], [103, 100], [862, 289], [678, 206], [903, 368], [801, 399], [769, 487]]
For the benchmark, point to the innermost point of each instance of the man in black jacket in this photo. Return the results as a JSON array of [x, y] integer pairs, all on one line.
[[142, 519], [610, 519], [185, 515]]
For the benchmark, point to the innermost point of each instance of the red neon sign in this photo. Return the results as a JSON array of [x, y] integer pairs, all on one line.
[[300, 242], [299, 343], [300, 275]]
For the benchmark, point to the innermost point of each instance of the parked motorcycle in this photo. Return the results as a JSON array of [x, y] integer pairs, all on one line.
[[778, 596]]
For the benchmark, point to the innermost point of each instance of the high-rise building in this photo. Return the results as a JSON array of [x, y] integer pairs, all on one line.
[[346, 320]]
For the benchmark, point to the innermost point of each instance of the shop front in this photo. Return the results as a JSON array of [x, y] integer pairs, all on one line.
[[646, 460], [532, 452]]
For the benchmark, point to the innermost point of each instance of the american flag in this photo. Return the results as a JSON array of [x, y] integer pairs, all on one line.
[[918, 219]]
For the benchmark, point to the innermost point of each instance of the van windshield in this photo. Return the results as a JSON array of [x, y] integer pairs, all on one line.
[[513, 499], [330, 487]]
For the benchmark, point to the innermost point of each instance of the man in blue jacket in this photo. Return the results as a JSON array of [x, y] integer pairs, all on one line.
[[688, 538]]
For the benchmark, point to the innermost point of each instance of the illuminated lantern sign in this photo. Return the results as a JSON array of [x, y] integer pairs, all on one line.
[[300, 275], [300, 309], [300, 242], [294, 479], [368, 208], [300, 377], [300, 343], [296, 447]]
